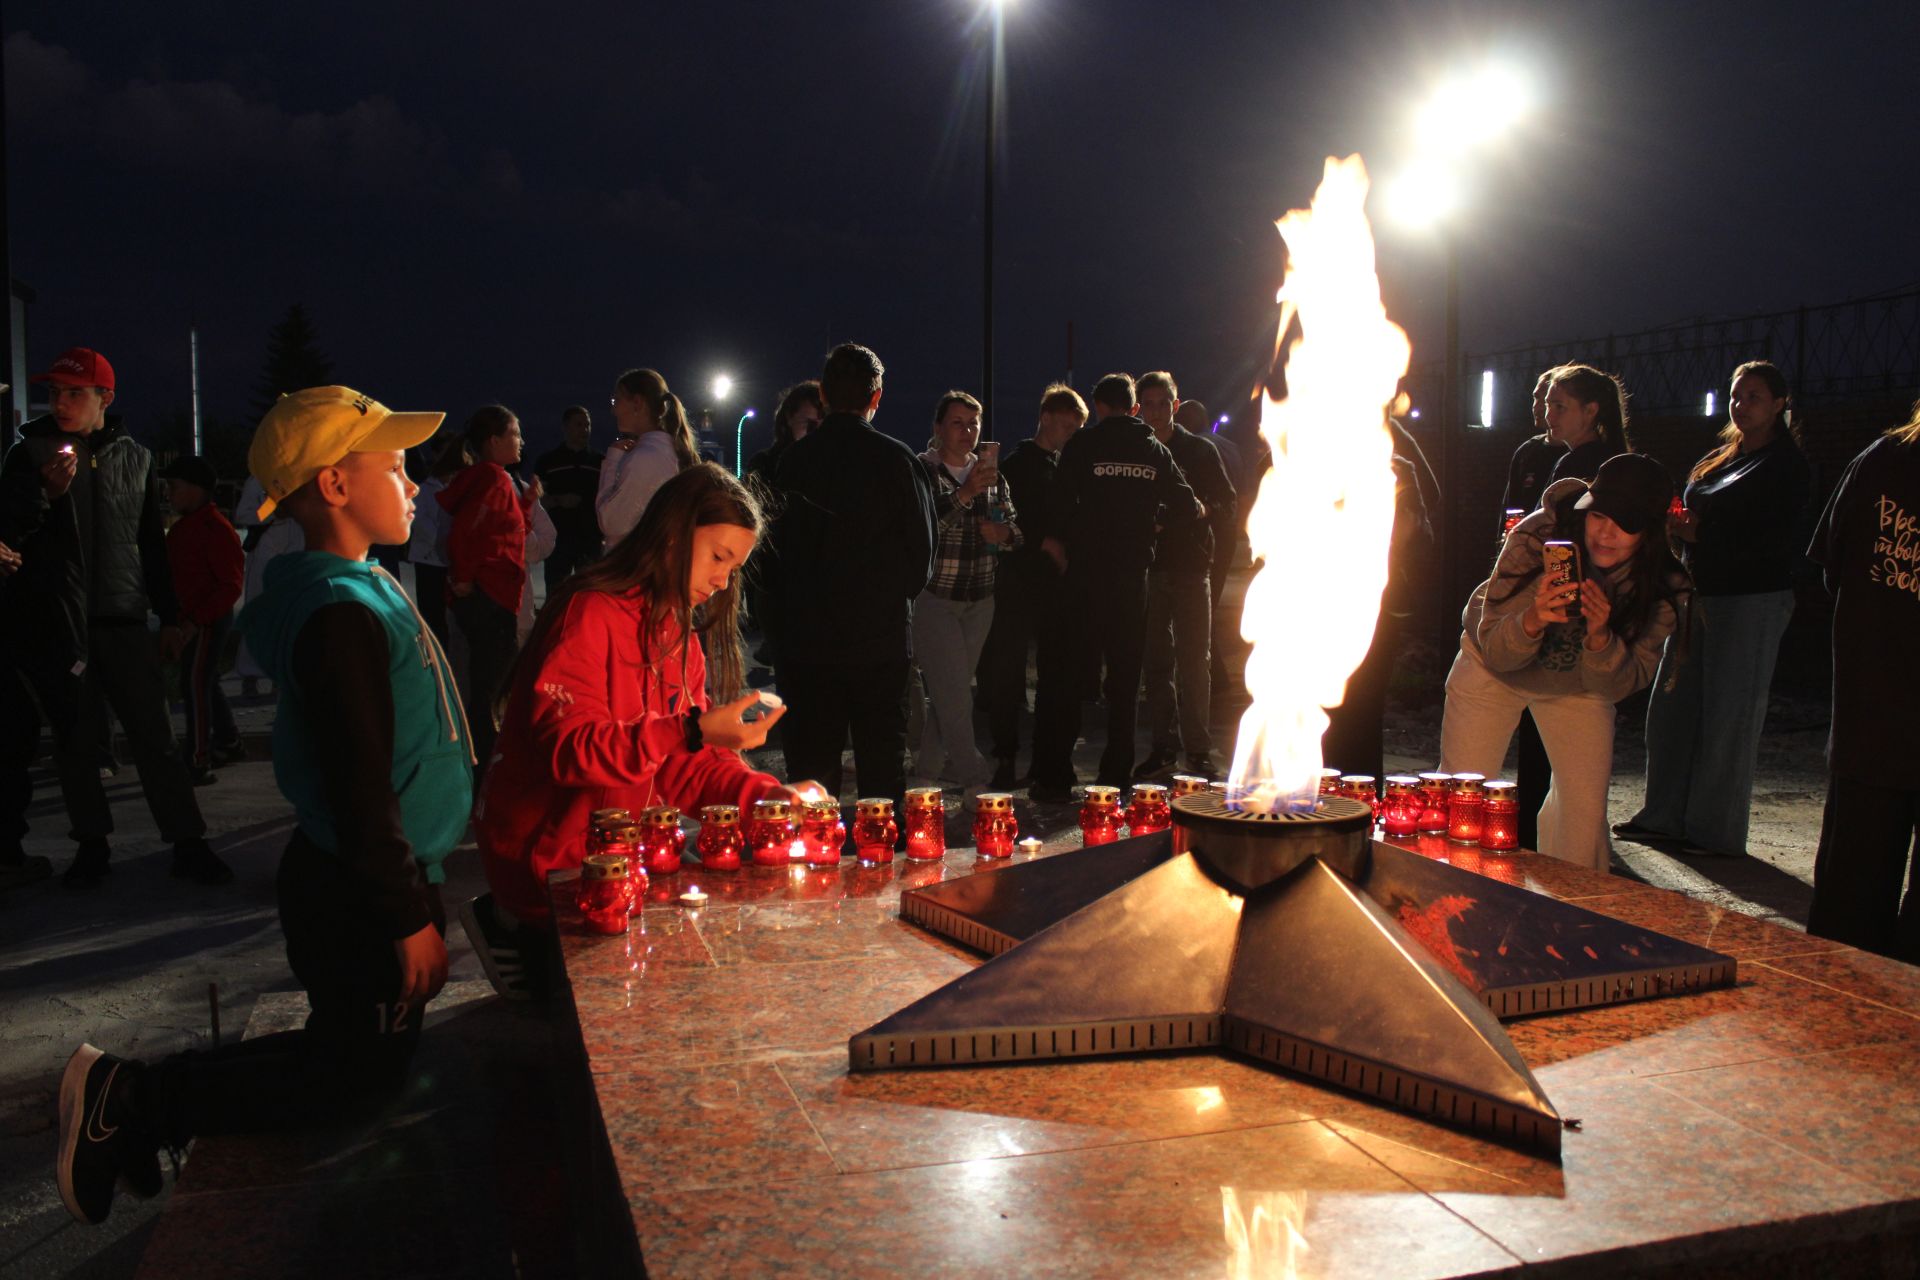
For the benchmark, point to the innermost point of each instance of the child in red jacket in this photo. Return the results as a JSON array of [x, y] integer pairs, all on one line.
[[608, 708], [208, 571], [487, 560]]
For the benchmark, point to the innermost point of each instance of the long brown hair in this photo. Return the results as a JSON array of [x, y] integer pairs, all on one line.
[[655, 561], [1653, 574], [1729, 446], [1592, 386], [1909, 431], [668, 412]]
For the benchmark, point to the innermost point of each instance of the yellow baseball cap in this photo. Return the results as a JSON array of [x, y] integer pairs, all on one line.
[[307, 431]]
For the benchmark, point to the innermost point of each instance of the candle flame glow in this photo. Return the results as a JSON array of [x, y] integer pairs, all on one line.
[[1330, 490]]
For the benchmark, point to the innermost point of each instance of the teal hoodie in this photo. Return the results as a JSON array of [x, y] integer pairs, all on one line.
[[432, 772]]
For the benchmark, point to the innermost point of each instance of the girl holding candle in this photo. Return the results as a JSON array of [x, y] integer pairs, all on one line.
[[1742, 535], [608, 706], [1523, 646]]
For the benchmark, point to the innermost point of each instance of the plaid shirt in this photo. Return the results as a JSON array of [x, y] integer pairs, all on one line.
[[963, 561]]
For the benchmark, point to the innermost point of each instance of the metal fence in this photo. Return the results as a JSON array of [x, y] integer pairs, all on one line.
[[1863, 348]]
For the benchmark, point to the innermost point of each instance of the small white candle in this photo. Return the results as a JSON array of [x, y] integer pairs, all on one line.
[[1030, 846], [694, 897]]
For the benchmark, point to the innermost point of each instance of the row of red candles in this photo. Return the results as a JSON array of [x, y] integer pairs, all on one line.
[[1464, 807]]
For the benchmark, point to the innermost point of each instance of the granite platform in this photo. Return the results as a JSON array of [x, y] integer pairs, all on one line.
[[1769, 1128]]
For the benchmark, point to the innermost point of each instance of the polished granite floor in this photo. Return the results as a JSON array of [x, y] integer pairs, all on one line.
[[1749, 1131]]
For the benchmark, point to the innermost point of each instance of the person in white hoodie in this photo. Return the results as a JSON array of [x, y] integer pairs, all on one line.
[[655, 444]]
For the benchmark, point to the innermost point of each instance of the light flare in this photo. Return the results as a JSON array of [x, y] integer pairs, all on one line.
[[1322, 524]]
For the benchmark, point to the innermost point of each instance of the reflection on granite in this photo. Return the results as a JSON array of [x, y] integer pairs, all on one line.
[[1524, 869], [1715, 1126]]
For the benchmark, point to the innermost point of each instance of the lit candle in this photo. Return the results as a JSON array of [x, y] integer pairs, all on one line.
[[1099, 815], [721, 839], [1433, 801], [661, 840], [1400, 808], [994, 824], [926, 824], [1500, 817], [1147, 809], [1030, 847], [693, 899], [771, 835], [822, 833], [606, 892], [1463, 809], [874, 831]]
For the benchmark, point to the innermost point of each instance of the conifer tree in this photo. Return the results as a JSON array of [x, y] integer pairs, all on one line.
[[294, 359]]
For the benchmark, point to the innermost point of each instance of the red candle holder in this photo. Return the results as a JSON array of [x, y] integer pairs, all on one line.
[[1148, 810], [1433, 802], [1400, 806], [1363, 787], [628, 840], [822, 832], [926, 824], [1500, 817], [1329, 783], [874, 831], [1513, 517], [721, 840], [662, 840], [1099, 815], [1464, 805], [994, 825], [771, 836], [606, 892], [1185, 784]]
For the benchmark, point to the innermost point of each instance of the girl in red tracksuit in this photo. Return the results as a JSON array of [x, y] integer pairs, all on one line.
[[608, 707], [487, 560]]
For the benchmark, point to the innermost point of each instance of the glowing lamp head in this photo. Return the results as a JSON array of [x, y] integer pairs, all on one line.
[[722, 388]]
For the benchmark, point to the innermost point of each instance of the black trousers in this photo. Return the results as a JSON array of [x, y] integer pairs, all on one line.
[[1026, 617], [827, 703], [123, 670], [492, 633], [1866, 877], [1353, 740], [1105, 619], [352, 1056], [209, 718]]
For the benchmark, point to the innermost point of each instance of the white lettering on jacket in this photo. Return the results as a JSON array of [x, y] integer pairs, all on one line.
[[1126, 470]]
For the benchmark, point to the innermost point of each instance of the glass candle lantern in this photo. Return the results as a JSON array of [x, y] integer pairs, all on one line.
[[1433, 801], [628, 840], [1500, 817], [601, 824], [721, 840], [661, 840], [1329, 782], [1100, 815], [994, 825], [1185, 784], [1147, 809], [1363, 787], [606, 892], [770, 838], [874, 831], [822, 832], [926, 824], [1464, 807], [1400, 805]]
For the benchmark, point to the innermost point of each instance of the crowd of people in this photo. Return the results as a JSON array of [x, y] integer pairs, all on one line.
[[890, 594]]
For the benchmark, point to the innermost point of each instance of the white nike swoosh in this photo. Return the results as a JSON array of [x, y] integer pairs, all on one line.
[[96, 1129]]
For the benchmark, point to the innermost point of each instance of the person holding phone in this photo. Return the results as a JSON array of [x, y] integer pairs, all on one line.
[[1523, 647], [607, 707], [974, 521]]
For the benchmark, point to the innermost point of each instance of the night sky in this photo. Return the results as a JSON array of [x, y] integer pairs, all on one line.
[[515, 203]]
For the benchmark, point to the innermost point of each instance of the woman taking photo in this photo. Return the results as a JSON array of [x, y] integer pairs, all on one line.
[[1567, 652], [952, 616], [654, 444], [487, 558], [1741, 533], [608, 707]]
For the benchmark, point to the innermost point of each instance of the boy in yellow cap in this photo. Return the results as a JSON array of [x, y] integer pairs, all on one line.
[[371, 748]]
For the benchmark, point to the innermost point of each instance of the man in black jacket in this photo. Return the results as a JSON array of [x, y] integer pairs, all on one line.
[[1028, 604], [79, 500], [570, 479], [1116, 487], [1179, 663], [852, 545]]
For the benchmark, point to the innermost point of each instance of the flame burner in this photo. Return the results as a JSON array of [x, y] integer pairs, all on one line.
[[1289, 938]]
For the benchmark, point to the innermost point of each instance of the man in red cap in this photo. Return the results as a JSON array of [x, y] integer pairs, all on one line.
[[79, 500]]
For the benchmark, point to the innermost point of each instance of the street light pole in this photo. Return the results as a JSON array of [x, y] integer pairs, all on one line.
[[993, 126]]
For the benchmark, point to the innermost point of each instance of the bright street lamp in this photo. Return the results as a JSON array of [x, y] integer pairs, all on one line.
[[722, 388], [1473, 109]]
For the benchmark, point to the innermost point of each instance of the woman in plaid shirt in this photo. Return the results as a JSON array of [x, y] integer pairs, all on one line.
[[974, 521]]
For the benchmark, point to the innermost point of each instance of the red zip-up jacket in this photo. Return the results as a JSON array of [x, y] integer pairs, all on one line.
[[487, 544], [208, 567], [597, 724]]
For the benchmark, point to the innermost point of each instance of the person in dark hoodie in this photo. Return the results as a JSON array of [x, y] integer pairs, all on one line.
[[370, 747], [851, 548], [79, 500], [1117, 488]]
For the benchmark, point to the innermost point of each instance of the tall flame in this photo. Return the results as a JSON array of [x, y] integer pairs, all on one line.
[[1321, 527]]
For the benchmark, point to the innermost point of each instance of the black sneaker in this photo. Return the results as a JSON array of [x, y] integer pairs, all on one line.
[[90, 864], [1202, 766], [99, 1145], [1156, 763], [195, 860], [202, 775], [502, 951]]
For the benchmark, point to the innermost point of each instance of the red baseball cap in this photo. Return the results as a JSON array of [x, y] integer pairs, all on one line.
[[79, 367]]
